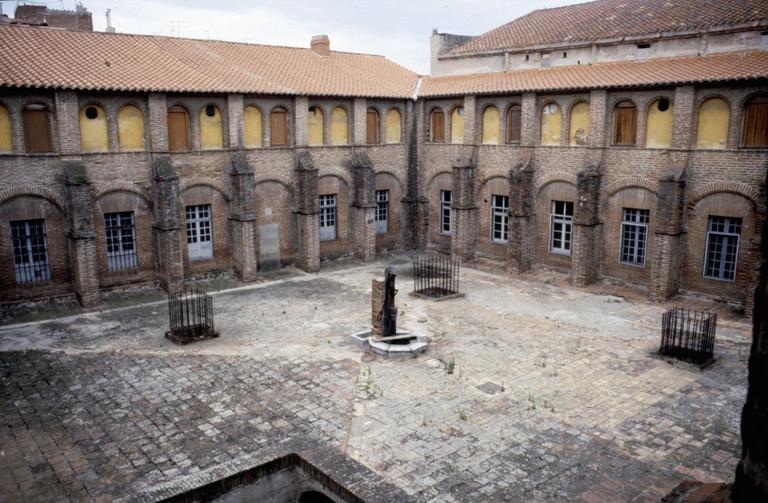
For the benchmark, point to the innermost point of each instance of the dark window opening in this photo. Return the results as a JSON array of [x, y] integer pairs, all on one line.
[[91, 112], [210, 110], [663, 104]]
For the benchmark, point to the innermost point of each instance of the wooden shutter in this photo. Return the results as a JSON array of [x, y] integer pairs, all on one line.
[[278, 128], [756, 123], [372, 127], [37, 130], [438, 126], [178, 129], [513, 124], [624, 122]]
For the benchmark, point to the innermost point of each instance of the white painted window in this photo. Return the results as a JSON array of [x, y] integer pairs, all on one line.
[[382, 211], [634, 236], [560, 227], [722, 252], [30, 251], [328, 217], [199, 238], [499, 218], [120, 232], [445, 212]]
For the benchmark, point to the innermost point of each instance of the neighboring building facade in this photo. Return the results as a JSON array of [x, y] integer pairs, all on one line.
[[159, 159]]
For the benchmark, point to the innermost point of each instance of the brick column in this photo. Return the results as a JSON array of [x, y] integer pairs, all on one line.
[[68, 122], [359, 123], [669, 237], [307, 214], [377, 305], [363, 210], [243, 218], [521, 226], [81, 235], [235, 120], [529, 121], [414, 202], [471, 121], [165, 187], [587, 228], [753, 258], [683, 117], [464, 237], [158, 122], [598, 103], [300, 121]]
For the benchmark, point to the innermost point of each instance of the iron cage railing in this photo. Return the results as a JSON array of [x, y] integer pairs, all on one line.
[[191, 316], [688, 334], [436, 277]]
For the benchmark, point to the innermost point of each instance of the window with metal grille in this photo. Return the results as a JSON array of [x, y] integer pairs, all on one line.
[[30, 251], [382, 211], [560, 227], [327, 217], [199, 239], [445, 212], [634, 236], [499, 217], [120, 231], [722, 250]]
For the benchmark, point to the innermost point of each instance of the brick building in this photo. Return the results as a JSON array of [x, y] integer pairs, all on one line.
[[130, 159]]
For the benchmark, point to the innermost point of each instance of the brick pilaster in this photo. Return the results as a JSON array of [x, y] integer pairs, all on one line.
[[359, 124], [669, 237], [158, 122], [307, 214], [464, 233], [471, 121], [81, 235], [363, 209], [683, 117], [598, 103], [414, 202], [165, 186], [243, 218], [587, 228], [521, 225], [68, 122], [300, 121], [235, 120]]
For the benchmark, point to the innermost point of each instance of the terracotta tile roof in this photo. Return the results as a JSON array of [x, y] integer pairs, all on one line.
[[608, 19], [44, 57], [654, 72]]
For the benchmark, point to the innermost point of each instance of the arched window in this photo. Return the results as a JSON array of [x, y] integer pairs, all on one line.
[[457, 125], [6, 138], [437, 126], [712, 124], [551, 124], [211, 128], [37, 129], [491, 126], [130, 128], [253, 128], [93, 129], [316, 126], [756, 122], [579, 124], [339, 126], [278, 127], [371, 126], [658, 129], [393, 126], [513, 124], [178, 129], [624, 123]]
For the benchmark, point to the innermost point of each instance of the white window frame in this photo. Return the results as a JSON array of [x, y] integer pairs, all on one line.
[[727, 235], [446, 213], [328, 217], [564, 220], [500, 215], [634, 220], [199, 231], [382, 211], [120, 237], [29, 264]]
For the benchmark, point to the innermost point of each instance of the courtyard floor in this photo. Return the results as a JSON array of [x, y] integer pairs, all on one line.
[[530, 391]]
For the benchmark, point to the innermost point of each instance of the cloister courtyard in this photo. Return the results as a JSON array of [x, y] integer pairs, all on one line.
[[531, 390]]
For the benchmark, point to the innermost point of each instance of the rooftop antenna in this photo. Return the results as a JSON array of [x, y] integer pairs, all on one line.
[[110, 28]]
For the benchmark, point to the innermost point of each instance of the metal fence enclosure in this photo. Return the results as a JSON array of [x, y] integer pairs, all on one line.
[[436, 277], [688, 335], [191, 316]]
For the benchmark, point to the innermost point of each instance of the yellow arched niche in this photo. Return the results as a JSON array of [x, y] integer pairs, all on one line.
[[712, 125], [6, 139], [93, 129], [551, 124], [130, 128], [491, 125], [211, 128], [579, 126], [658, 130], [315, 126], [457, 125], [253, 133], [339, 127], [393, 126]]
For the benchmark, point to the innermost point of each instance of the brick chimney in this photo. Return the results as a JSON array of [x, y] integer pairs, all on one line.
[[321, 45]]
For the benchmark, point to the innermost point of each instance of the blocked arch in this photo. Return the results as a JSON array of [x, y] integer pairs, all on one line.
[[102, 189], [334, 175], [630, 182], [195, 181], [50, 196], [389, 173], [545, 180], [482, 182], [708, 189], [433, 177]]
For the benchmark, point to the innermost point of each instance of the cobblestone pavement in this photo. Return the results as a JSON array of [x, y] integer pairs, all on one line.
[[529, 392]]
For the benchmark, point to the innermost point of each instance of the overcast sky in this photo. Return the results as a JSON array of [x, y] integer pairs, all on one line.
[[398, 29]]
